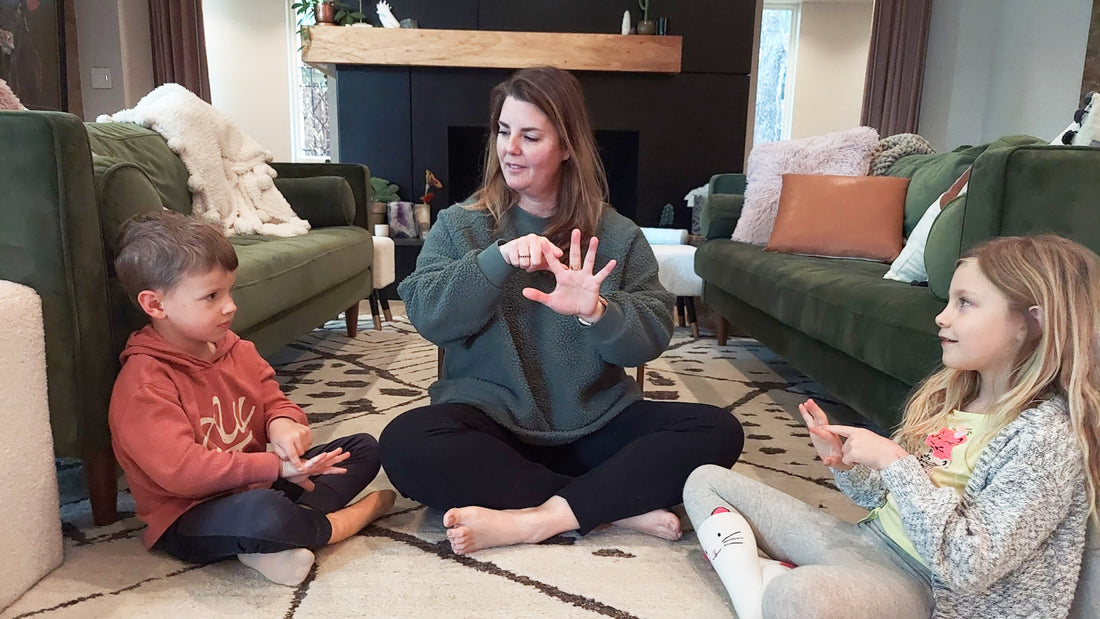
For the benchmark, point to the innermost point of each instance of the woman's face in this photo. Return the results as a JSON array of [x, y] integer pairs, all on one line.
[[529, 151]]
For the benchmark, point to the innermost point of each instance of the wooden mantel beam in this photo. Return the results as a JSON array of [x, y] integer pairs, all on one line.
[[335, 45]]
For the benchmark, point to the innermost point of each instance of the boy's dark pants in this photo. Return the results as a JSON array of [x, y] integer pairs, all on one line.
[[273, 519]]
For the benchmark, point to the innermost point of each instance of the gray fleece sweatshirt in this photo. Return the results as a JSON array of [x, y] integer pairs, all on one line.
[[1011, 544], [541, 375]]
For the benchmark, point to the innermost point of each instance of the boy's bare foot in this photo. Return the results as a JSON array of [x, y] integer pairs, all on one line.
[[659, 523], [350, 520], [287, 567], [470, 529]]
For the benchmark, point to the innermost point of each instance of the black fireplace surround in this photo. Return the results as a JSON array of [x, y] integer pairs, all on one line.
[[660, 135]]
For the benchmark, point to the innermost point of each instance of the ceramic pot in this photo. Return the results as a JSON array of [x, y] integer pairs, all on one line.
[[324, 12], [647, 26]]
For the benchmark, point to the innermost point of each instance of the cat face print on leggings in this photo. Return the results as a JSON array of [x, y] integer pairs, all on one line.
[[720, 538]]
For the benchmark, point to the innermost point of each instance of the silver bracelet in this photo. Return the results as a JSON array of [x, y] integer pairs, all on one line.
[[584, 323]]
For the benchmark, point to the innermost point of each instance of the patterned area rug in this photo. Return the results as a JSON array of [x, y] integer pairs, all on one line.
[[402, 566]]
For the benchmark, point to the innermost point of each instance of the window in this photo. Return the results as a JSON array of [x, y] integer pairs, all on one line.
[[309, 105], [775, 72]]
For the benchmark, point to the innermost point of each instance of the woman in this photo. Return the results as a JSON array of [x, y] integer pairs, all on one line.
[[534, 428]]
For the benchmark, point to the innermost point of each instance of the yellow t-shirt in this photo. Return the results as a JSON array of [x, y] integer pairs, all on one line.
[[949, 460]]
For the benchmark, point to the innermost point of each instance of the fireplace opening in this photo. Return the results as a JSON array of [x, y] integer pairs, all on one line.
[[618, 151]]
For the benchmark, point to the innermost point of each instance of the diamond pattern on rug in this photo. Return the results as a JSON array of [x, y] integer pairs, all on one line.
[[402, 566]]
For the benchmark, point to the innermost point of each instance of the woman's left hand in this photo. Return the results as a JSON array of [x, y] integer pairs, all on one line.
[[577, 292], [862, 446]]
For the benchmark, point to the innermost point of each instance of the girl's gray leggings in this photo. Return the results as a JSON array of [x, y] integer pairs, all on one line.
[[845, 570]]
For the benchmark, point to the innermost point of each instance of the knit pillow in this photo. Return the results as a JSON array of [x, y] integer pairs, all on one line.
[[847, 153]]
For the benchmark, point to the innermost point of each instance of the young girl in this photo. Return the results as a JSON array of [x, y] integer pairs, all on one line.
[[979, 507]]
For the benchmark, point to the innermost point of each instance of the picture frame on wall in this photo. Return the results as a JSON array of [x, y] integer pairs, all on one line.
[[32, 59]]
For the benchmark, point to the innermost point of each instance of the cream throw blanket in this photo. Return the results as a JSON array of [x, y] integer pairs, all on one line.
[[231, 183]]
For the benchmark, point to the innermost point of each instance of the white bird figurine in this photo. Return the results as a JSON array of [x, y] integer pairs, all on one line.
[[385, 15], [625, 28]]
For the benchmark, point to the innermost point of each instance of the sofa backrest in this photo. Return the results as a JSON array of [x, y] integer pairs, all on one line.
[[147, 149], [929, 176]]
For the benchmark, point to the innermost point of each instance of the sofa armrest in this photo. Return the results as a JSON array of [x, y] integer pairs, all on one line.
[[323, 201], [1018, 190], [357, 176], [722, 205]]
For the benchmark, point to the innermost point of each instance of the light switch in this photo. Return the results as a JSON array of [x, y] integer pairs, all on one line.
[[101, 78]]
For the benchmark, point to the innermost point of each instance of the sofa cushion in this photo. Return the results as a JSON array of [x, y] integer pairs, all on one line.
[[148, 150], [929, 176], [845, 304], [277, 273], [122, 191]]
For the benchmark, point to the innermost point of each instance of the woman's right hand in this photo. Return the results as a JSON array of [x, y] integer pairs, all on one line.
[[828, 445], [322, 464], [526, 252]]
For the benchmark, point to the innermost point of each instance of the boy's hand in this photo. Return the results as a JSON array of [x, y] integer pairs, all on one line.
[[321, 464], [289, 438], [827, 444], [862, 446]]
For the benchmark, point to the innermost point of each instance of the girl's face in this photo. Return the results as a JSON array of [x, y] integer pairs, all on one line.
[[978, 329], [529, 151]]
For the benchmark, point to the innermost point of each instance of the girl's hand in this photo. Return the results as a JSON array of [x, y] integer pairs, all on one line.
[[321, 464], [578, 289], [862, 446], [289, 438], [529, 252], [827, 444]]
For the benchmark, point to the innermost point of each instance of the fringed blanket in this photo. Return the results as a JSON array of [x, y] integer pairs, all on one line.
[[231, 182]]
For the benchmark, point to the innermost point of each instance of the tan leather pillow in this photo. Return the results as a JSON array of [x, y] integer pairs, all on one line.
[[840, 216]]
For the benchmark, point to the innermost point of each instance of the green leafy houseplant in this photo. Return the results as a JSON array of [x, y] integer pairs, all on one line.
[[342, 14], [384, 191]]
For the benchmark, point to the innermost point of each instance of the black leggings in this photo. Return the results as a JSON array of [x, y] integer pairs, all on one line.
[[273, 519], [454, 455]]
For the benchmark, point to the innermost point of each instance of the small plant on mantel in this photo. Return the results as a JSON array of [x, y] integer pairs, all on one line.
[[324, 12]]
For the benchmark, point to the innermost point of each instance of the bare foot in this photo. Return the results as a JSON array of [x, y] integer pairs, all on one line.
[[350, 520], [659, 523], [470, 529]]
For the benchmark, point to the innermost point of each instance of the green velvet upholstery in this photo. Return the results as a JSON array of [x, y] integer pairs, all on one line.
[[868, 340], [65, 189]]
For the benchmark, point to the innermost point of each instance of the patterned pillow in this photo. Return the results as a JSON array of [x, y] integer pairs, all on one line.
[[846, 153]]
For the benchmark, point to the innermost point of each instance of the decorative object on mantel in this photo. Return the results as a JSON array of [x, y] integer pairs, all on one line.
[[662, 26], [385, 15], [402, 220], [646, 26], [667, 216], [384, 193], [625, 28], [325, 13], [423, 211]]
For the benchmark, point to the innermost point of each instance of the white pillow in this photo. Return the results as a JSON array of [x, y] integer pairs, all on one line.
[[909, 265]]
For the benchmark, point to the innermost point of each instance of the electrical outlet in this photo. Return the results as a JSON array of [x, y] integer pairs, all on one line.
[[101, 78]]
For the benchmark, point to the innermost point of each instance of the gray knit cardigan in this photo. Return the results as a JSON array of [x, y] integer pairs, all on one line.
[[1011, 544]]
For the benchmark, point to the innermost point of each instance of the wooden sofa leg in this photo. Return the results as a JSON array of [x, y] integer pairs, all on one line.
[[722, 330], [351, 319], [102, 479]]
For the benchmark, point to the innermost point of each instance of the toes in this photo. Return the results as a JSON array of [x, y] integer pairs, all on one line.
[[450, 518]]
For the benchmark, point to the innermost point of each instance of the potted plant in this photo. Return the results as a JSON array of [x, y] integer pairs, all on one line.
[[645, 26], [384, 193], [324, 12]]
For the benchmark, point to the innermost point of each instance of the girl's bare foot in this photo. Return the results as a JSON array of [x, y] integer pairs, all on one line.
[[470, 529], [659, 523], [350, 520]]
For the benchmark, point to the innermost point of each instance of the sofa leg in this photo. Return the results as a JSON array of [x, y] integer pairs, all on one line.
[[351, 319], [102, 479], [722, 330]]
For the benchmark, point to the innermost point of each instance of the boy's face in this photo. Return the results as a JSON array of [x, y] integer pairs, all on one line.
[[196, 312]]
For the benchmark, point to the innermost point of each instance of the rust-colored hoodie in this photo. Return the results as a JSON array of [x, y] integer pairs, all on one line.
[[185, 430]]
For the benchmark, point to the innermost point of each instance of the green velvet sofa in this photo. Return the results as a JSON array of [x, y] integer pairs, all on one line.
[[866, 339], [66, 187]]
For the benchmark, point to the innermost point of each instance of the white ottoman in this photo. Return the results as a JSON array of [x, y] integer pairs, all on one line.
[[31, 544], [676, 270], [383, 269]]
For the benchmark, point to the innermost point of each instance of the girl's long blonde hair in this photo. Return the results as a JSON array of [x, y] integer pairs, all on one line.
[[582, 195], [1058, 357]]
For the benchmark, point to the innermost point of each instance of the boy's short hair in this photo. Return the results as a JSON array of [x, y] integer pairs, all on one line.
[[156, 249]]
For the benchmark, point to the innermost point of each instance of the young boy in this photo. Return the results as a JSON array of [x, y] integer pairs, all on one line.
[[195, 406]]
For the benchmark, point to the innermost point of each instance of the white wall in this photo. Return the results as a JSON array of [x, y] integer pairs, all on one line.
[[113, 35], [137, 50], [831, 66], [1001, 67], [248, 53]]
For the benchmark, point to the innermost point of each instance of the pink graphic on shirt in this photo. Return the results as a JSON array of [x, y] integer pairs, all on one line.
[[944, 441]]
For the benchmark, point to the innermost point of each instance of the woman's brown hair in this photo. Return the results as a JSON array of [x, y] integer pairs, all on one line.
[[582, 195]]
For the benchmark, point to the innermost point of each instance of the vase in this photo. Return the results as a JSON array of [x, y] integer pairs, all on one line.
[[422, 213], [324, 12], [647, 26]]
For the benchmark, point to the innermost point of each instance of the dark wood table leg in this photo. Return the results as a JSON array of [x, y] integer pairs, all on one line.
[[680, 312], [689, 303], [374, 311]]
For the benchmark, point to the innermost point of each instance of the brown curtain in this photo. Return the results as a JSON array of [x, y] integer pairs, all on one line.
[[179, 47], [895, 65]]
